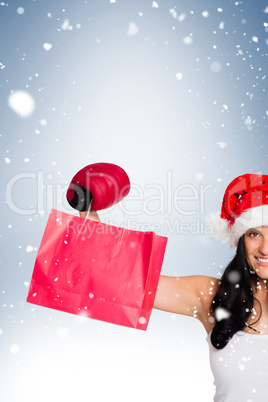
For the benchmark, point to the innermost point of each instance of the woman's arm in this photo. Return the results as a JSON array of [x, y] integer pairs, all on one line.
[[188, 295], [93, 215]]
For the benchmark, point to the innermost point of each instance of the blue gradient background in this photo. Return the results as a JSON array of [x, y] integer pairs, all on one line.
[[108, 96]]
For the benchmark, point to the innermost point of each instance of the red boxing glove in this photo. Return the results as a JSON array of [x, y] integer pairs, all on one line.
[[98, 186]]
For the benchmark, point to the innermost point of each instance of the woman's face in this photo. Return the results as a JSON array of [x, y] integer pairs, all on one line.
[[256, 245]]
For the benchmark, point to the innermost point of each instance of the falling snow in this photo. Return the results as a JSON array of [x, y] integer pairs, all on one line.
[[43, 122], [14, 349], [22, 103], [222, 144], [47, 46], [234, 277], [20, 10], [205, 14], [181, 17], [222, 314], [133, 29], [173, 12], [215, 66], [142, 320], [187, 40], [66, 26], [83, 83]]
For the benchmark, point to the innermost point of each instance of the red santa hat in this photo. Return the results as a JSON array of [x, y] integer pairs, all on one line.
[[244, 206]]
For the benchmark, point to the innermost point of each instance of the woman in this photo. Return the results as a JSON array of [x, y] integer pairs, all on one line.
[[233, 310], [242, 290]]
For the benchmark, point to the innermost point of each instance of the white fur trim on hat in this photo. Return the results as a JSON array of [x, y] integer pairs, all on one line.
[[218, 227], [252, 218]]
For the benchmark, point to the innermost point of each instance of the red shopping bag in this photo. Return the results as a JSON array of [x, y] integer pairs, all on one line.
[[97, 270]]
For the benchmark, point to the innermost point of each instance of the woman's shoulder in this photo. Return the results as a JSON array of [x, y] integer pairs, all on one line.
[[208, 289], [187, 295], [207, 284]]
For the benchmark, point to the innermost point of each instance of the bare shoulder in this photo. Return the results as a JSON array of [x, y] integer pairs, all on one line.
[[209, 284], [208, 288], [208, 291], [203, 288], [187, 295]]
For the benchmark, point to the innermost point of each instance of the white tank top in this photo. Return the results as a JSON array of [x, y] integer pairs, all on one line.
[[240, 369]]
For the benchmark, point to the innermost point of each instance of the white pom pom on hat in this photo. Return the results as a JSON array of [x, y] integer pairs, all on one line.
[[244, 206], [218, 227]]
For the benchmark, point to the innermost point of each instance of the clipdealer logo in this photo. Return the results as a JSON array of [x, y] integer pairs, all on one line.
[[172, 226], [44, 191], [162, 202]]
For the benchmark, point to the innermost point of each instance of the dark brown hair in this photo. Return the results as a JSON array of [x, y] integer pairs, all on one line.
[[235, 295]]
